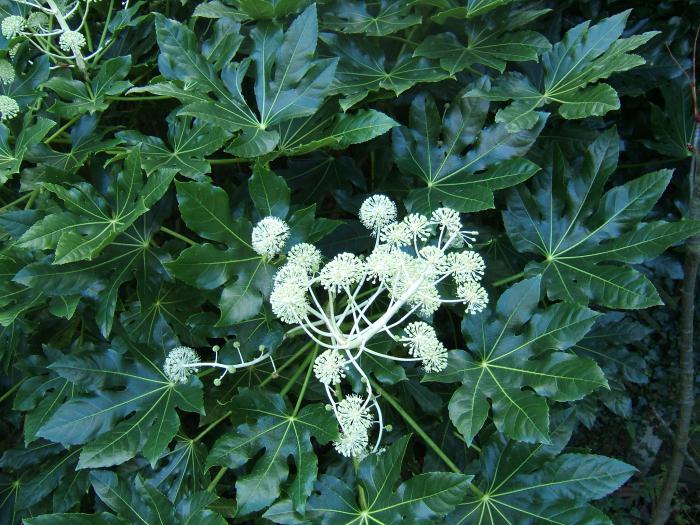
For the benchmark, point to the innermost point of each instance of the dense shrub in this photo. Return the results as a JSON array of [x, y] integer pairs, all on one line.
[[347, 262]]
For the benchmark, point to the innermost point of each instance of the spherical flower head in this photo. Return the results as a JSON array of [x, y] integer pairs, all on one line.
[[435, 358], [71, 41], [352, 444], [178, 364], [447, 218], [329, 367], [466, 266], [473, 295], [418, 337], [12, 25], [8, 108], [353, 415], [37, 20], [384, 262], [7, 72], [341, 272], [426, 298], [376, 212], [305, 256], [291, 273], [435, 259], [396, 234], [418, 225], [288, 300], [269, 236]]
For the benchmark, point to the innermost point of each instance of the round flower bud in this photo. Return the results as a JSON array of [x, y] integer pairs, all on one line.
[[473, 295], [305, 256], [180, 364], [447, 218], [341, 272], [352, 444], [329, 367], [352, 415], [376, 212]]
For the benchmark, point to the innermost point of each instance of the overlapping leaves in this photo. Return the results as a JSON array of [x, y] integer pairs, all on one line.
[[570, 75], [577, 229], [516, 346], [422, 499], [460, 161]]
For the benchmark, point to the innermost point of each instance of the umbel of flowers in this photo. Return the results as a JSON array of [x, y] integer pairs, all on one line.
[[342, 304]]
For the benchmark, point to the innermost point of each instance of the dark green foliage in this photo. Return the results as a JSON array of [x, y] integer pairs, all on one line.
[[129, 190]]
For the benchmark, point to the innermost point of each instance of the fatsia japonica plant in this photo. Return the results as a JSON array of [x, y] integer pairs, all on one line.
[[341, 262]]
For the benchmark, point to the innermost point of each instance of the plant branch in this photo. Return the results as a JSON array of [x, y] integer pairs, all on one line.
[[686, 397]]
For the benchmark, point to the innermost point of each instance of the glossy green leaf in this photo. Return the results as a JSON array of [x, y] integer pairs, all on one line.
[[422, 499], [460, 162], [281, 432], [518, 346], [584, 228], [570, 74], [531, 484]]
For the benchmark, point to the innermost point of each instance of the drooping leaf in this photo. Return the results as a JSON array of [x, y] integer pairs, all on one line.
[[492, 41], [365, 67], [351, 16], [531, 484]]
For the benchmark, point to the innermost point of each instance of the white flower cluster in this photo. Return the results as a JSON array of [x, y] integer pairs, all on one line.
[[342, 304], [48, 20]]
